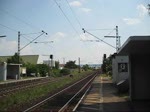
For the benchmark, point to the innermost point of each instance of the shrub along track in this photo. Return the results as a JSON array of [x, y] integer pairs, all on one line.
[[64, 100]]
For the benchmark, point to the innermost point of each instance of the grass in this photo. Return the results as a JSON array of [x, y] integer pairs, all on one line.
[[36, 92], [104, 75]]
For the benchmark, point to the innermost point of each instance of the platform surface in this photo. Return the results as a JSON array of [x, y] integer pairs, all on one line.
[[103, 97]]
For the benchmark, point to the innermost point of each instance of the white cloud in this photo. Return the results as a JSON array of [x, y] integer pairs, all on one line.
[[131, 21], [83, 37], [57, 37], [86, 37], [8, 47], [60, 34], [142, 10], [75, 4], [86, 10]]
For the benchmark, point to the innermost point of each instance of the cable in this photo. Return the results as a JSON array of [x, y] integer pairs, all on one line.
[[74, 14], [109, 33], [8, 13], [25, 38], [97, 29], [31, 33], [66, 17], [9, 28], [32, 40], [98, 38]]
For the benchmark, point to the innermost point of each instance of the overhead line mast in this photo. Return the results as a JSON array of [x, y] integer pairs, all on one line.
[[84, 31], [118, 43]]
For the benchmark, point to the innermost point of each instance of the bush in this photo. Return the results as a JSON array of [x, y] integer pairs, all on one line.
[[65, 71], [55, 73], [43, 69], [31, 68]]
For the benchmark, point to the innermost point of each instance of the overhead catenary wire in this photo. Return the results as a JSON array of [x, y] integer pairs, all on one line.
[[74, 14], [97, 29], [33, 40], [19, 19], [31, 33], [66, 17], [98, 38], [9, 28], [109, 33]]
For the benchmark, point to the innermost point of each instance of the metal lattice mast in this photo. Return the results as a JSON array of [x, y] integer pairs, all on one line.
[[117, 39]]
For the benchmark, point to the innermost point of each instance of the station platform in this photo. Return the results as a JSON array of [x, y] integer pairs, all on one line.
[[103, 97], [20, 80]]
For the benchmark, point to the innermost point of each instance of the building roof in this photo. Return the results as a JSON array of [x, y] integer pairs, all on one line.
[[135, 45], [26, 58]]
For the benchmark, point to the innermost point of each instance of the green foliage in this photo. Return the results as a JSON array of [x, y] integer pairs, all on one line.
[[43, 69], [107, 65], [28, 95], [56, 73], [104, 64], [71, 65], [85, 67], [56, 64], [15, 59], [31, 68], [65, 71]]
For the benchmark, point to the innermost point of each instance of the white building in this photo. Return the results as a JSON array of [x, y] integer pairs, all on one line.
[[50, 63]]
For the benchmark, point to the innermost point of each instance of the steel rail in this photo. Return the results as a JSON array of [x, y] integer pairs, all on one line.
[[75, 108], [45, 100], [67, 104]]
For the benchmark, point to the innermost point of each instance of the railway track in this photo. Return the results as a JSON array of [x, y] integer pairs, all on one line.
[[12, 88], [66, 99]]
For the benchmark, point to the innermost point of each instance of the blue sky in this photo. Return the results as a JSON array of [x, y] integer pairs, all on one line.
[[64, 26]]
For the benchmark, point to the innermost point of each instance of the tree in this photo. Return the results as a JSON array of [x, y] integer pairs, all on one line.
[[71, 65], [56, 64], [104, 64], [85, 67], [65, 71], [31, 68], [109, 65], [15, 59], [43, 69]]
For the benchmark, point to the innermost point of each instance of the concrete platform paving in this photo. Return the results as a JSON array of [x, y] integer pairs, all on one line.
[[103, 97]]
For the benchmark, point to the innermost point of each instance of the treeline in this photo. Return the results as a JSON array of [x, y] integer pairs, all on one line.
[[43, 70], [107, 65]]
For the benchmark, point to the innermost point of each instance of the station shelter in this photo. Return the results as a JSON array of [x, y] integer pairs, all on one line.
[[137, 48]]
